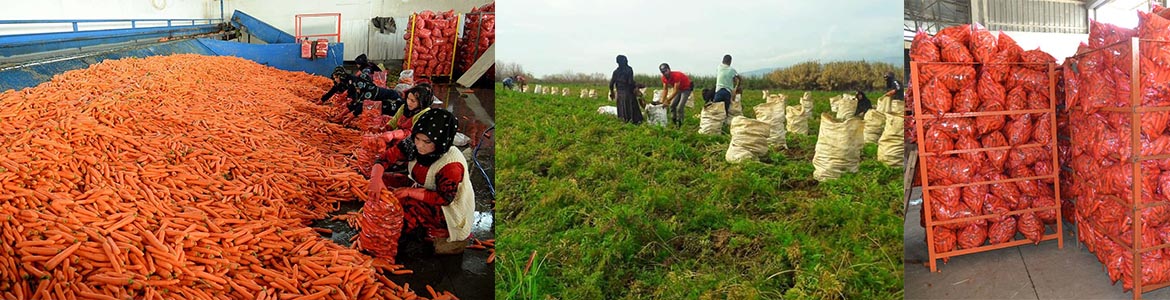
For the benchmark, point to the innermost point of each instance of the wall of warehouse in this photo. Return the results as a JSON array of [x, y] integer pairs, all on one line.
[[356, 32], [99, 9], [1059, 45]]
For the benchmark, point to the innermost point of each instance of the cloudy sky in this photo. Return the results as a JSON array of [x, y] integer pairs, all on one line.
[[551, 37]]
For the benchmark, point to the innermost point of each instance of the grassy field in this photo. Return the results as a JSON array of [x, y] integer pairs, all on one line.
[[618, 211]]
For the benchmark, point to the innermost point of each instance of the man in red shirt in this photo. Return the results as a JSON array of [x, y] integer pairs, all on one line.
[[676, 90]]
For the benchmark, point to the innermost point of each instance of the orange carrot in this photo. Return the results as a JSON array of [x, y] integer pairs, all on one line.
[[52, 263]]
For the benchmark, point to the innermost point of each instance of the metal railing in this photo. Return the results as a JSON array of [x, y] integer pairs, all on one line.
[[133, 22]]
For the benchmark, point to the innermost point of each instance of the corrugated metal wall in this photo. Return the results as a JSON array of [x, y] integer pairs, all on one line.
[[1059, 16], [389, 45]]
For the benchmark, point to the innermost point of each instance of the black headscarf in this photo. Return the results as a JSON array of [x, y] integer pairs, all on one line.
[[623, 76], [425, 99], [440, 126], [863, 104]]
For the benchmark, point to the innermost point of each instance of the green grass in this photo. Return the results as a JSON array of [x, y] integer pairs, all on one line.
[[618, 211]]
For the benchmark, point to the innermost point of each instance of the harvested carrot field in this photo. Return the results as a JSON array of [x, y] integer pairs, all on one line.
[[178, 177]]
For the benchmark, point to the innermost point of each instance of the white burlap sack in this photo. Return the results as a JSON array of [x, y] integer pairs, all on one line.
[[583, 93], [777, 98], [838, 147], [711, 119], [656, 115], [525, 89], [565, 92], [749, 139], [891, 146], [736, 107], [797, 122], [538, 89], [897, 107], [773, 114], [657, 96], [765, 95], [607, 110], [874, 122], [883, 104], [592, 93], [846, 106]]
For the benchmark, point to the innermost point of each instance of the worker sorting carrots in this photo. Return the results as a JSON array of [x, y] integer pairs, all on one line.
[[436, 193]]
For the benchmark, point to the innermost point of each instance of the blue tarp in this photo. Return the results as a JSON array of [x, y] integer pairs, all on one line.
[[281, 56], [34, 74], [263, 31], [281, 52]]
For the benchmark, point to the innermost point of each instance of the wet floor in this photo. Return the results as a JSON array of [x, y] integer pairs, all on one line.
[[466, 275]]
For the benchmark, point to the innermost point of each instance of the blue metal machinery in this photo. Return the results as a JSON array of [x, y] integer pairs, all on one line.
[[29, 59]]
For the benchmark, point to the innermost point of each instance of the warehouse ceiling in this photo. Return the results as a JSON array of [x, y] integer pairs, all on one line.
[[1052, 16], [932, 15]]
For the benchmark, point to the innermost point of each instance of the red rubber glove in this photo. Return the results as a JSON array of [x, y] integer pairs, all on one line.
[[394, 135], [376, 186], [412, 193]]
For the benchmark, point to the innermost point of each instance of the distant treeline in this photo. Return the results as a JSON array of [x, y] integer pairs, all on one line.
[[833, 76]]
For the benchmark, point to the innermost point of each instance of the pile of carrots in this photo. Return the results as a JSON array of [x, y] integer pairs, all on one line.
[[179, 177]]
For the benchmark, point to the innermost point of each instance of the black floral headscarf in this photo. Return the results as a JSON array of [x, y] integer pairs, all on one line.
[[440, 126]]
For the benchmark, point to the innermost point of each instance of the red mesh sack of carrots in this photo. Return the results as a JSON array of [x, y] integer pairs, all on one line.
[[1101, 34], [949, 170], [983, 45], [1037, 60], [996, 159], [923, 48], [971, 236], [935, 98], [381, 224], [944, 241], [953, 77], [479, 33], [951, 50], [1009, 50], [372, 145], [371, 120], [959, 33], [1002, 231]]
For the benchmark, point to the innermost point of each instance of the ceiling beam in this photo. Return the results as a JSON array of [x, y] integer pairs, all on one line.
[[1094, 4]]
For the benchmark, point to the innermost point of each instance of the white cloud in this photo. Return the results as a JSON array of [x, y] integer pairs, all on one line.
[[584, 36]]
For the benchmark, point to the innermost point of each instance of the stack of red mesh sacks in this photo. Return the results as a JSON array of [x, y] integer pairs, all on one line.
[[1098, 83], [988, 80], [430, 43], [1064, 147], [479, 33]]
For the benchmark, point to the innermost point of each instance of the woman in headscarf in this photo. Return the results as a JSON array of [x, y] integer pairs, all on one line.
[[342, 82], [418, 100], [391, 100], [622, 86], [437, 196], [365, 66], [863, 104]]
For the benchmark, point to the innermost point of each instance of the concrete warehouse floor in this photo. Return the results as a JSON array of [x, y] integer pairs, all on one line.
[[1024, 272]]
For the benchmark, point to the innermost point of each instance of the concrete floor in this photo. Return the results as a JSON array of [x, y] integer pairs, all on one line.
[[1025, 272]]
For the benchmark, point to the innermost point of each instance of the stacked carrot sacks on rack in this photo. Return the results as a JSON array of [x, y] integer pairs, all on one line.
[[184, 176]]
